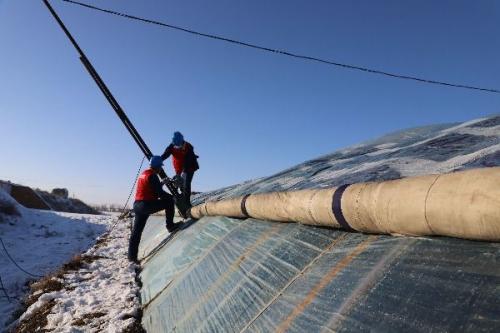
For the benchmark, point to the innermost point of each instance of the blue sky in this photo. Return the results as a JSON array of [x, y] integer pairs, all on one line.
[[248, 113]]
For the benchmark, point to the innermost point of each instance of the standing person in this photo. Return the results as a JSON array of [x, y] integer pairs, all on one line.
[[150, 198], [185, 162]]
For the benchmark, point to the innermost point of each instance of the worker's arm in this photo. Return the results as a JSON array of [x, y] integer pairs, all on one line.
[[154, 181], [167, 152]]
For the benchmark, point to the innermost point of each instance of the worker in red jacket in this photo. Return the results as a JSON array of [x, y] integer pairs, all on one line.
[[150, 198], [185, 163]]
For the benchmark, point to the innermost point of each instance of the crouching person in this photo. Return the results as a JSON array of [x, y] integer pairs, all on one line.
[[150, 198]]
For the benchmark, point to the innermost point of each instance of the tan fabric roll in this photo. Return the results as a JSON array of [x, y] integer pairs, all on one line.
[[466, 204], [198, 211], [462, 204], [229, 207], [305, 206], [391, 207]]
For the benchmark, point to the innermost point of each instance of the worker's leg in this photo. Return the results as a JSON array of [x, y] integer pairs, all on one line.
[[187, 178], [135, 237], [166, 204]]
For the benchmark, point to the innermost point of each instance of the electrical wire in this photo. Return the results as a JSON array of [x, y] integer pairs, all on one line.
[[112, 227], [286, 53], [133, 185], [4, 290], [16, 264], [39, 276], [129, 195]]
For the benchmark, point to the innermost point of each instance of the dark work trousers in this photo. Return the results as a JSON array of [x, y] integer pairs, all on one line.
[[187, 178], [142, 210]]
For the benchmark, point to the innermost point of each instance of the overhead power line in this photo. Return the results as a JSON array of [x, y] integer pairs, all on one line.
[[282, 52]]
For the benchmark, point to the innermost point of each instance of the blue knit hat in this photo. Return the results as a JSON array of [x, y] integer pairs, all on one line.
[[156, 161], [178, 139]]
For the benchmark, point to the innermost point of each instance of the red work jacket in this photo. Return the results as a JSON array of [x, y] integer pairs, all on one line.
[[179, 157], [144, 189]]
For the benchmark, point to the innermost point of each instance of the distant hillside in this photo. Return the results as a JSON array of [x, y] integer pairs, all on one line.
[[57, 200], [70, 205]]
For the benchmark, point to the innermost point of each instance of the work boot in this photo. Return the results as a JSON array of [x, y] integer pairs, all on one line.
[[133, 259], [173, 227]]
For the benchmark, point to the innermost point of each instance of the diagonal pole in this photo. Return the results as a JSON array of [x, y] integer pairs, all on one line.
[[179, 199]]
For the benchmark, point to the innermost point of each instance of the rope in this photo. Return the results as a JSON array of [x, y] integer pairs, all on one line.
[[282, 52], [16, 264]]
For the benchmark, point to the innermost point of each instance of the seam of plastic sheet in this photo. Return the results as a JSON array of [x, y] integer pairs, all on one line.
[[332, 273], [257, 279], [307, 267], [191, 265], [242, 259], [365, 285], [202, 324], [228, 272], [202, 234]]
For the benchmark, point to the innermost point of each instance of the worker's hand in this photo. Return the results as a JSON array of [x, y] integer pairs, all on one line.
[[165, 181]]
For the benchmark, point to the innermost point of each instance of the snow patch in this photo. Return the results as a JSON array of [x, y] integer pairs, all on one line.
[[103, 294]]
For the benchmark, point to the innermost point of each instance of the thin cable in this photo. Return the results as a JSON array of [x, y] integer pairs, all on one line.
[[133, 185], [4, 290], [129, 195], [16, 264], [290, 54]]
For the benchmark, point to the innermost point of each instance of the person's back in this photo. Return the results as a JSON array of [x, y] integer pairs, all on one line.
[[145, 186]]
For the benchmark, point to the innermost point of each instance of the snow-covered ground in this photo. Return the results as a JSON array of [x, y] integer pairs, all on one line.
[[98, 294]]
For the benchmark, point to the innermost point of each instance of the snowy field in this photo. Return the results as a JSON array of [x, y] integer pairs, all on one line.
[[96, 292]]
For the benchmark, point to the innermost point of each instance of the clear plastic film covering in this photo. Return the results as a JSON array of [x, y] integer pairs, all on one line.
[[167, 258], [232, 275], [247, 275]]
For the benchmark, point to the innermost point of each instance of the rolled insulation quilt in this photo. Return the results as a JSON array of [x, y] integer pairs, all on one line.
[[464, 204]]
